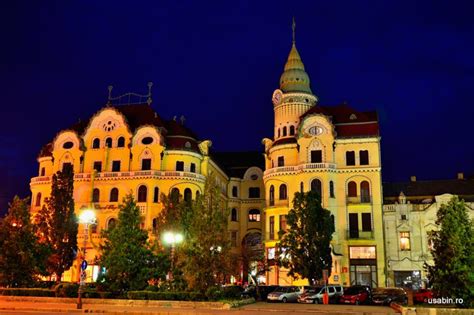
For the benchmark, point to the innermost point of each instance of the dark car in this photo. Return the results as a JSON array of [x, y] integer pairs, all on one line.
[[422, 295], [250, 291], [357, 294], [385, 296]]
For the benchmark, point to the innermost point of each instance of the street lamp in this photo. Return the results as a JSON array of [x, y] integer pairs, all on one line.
[[172, 239], [87, 217]]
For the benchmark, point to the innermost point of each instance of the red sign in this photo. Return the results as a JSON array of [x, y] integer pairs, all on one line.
[[344, 269]]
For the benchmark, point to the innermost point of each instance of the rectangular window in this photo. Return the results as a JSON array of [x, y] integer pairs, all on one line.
[[281, 161], [254, 192], [404, 240], [116, 166], [272, 228], [316, 156], [180, 166], [283, 223], [362, 252], [364, 157], [350, 158], [98, 166], [146, 164], [234, 191], [192, 169], [233, 238], [353, 225], [366, 222], [67, 167], [271, 253]]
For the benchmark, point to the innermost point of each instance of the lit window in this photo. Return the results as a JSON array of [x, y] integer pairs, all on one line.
[[254, 215], [362, 252], [404, 240], [271, 253]]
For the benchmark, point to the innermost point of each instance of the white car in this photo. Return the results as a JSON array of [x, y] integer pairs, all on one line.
[[284, 294]]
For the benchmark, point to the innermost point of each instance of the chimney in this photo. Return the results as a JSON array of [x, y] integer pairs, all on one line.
[[460, 175], [412, 178]]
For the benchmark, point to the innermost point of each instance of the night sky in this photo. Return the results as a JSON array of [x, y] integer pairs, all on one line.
[[218, 62]]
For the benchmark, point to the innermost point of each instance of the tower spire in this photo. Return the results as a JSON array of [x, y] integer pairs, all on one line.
[[293, 26]]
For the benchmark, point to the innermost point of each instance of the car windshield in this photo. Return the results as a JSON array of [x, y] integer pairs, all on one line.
[[281, 289]]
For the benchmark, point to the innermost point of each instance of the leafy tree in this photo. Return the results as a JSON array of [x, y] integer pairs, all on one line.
[[305, 248], [174, 215], [452, 274], [207, 246], [58, 225], [22, 257], [126, 253]]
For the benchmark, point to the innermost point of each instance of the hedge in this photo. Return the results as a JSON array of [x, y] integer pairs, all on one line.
[[27, 292], [168, 296]]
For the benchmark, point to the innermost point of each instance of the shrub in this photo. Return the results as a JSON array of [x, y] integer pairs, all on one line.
[[137, 295], [151, 288], [166, 296], [26, 292], [232, 292], [66, 290], [214, 293]]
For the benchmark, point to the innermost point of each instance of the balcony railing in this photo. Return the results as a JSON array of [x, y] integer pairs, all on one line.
[[278, 203], [360, 235], [125, 175], [359, 199], [299, 168]]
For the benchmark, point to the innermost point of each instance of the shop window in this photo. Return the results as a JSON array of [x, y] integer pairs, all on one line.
[[142, 193], [316, 156], [271, 227], [114, 195], [96, 195], [254, 215], [96, 143], [405, 241], [281, 161], [331, 189], [115, 166], [234, 191], [179, 166], [254, 192], [283, 192], [108, 142], [121, 142], [352, 189], [272, 195], [364, 157], [97, 166], [316, 186], [146, 164], [350, 158], [156, 195], [38, 200], [233, 215]]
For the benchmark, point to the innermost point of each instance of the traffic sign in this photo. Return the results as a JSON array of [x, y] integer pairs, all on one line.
[[84, 265]]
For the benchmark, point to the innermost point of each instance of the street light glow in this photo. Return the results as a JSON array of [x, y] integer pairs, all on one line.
[[172, 238], [87, 216]]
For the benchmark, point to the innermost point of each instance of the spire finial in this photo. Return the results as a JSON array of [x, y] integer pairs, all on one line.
[[109, 99], [150, 84], [294, 30]]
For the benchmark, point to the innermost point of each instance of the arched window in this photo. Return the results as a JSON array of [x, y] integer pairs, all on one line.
[[284, 131], [254, 215], [352, 189], [96, 143], [301, 187], [111, 223], [278, 132], [292, 130], [331, 189], [142, 193], [156, 195], [94, 226], [283, 192], [316, 186], [38, 199], [96, 195], [188, 195], [108, 142], [114, 194], [272, 195], [197, 194], [233, 214], [121, 142], [365, 191], [175, 194]]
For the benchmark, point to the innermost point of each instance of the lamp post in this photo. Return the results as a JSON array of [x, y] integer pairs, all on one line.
[[172, 239], [87, 217]]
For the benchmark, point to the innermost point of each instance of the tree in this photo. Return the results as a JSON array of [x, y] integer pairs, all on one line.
[[305, 248], [58, 225], [452, 274], [207, 246], [126, 253], [22, 257]]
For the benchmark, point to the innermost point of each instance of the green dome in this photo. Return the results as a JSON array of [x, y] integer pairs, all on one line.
[[295, 78]]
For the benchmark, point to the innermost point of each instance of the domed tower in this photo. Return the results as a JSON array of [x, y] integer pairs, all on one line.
[[294, 97]]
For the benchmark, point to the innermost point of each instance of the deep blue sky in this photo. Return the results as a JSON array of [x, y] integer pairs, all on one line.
[[218, 62]]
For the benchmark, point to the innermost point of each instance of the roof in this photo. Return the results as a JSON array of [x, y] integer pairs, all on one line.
[[425, 188], [235, 164], [289, 140], [348, 122]]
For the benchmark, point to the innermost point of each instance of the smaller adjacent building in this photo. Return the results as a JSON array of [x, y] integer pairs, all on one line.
[[409, 214]]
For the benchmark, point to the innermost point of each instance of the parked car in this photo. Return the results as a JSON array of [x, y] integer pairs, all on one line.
[[249, 291], [422, 295], [284, 294], [315, 294], [385, 296], [357, 294]]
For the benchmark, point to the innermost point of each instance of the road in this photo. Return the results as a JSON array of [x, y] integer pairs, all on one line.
[[26, 308]]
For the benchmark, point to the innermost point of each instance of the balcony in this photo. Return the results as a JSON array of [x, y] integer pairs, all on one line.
[[277, 203], [309, 167], [358, 199], [126, 175], [359, 235]]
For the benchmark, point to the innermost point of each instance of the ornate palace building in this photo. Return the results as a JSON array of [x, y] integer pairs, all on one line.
[[334, 150], [130, 148]]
